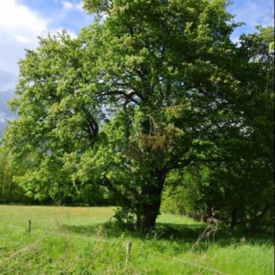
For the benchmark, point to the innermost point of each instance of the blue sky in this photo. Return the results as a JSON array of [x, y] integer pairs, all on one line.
[[21, 21]]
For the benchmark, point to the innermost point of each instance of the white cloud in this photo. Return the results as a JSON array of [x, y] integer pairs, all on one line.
[[19, 29], [67, 5], [17, 18], [235, 39], [79, 6], [104, 16], [252, 12], [72, 6], [22, 39]]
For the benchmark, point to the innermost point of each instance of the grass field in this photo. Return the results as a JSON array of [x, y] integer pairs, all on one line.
[[78, 240]]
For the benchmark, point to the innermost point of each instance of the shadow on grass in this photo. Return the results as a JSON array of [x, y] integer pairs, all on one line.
[[164, 230], [167, 231]]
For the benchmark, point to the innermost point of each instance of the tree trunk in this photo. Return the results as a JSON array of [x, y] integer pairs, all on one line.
[[150, 209], [146, 219], [233, 218], [150, 214]]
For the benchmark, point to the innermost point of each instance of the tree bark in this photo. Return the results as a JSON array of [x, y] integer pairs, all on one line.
[[150, 214], [149, 210]]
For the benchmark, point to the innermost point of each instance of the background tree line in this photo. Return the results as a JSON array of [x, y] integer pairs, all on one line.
[[12, 193], [239, 190]]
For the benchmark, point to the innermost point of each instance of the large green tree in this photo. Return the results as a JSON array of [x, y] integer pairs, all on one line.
[[156, 87]]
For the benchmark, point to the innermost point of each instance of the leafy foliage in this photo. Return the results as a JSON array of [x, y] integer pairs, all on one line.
[[157, 87], [9, 190]]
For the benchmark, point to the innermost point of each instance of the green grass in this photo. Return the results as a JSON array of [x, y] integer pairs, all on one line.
[[83, 240]]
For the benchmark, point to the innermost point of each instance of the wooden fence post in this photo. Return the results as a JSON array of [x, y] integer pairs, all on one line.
[[29, 226], [129, 245]]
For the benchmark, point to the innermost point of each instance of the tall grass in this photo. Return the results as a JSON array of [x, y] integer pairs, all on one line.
[[85, 241]]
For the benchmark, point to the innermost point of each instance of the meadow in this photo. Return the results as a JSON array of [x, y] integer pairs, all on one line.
[[82, 240]]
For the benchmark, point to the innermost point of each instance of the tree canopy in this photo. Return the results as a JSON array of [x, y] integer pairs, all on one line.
[[156, 87]]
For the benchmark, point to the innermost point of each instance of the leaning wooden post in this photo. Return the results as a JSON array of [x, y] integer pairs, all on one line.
[[129, 244], [29, 226]]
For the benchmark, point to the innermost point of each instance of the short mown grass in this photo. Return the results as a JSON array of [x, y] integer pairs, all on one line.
[[82, 240]]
